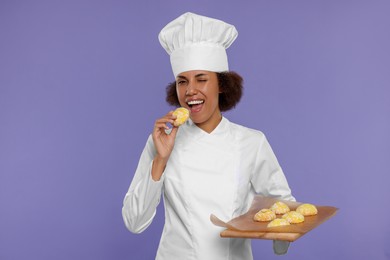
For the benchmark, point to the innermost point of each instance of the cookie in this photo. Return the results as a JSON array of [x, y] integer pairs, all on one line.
[[278, 222], [264, 215], [307, 209], [280, 208], [294, 217], [182, 114]]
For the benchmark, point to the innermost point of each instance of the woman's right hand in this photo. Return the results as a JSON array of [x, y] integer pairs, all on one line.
[[163, 143]]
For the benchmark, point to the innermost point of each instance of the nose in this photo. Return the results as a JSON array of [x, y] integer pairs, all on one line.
[[191, 89]]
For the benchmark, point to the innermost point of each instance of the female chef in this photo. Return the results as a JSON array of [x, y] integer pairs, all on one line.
[[209, 165]]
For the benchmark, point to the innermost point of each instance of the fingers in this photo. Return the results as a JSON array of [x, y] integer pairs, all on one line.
[[162, 123], [174, 131], [164, 141]]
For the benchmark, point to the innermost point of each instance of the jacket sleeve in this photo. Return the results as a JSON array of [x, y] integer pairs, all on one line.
[[143, 196], [269, 180]]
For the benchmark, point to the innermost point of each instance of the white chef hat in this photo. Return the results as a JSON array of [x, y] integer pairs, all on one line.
[[196, 42]]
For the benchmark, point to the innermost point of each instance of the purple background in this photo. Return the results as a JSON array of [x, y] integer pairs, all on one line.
[[81, 83]]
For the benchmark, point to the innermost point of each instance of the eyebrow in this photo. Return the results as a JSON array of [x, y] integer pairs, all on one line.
[[180, 77], [200, 75], [196, 76]]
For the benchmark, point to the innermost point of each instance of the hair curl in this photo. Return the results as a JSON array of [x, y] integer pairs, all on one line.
[[231, 87]]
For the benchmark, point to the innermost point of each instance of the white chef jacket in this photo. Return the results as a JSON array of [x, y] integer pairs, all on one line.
[[207, 173]]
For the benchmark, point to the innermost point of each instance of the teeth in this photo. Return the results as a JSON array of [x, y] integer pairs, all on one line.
[[195, 102]]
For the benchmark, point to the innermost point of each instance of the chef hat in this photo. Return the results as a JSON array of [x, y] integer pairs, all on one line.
[[196, 42]]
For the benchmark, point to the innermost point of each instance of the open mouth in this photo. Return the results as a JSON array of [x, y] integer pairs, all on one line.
[[195, 105], [195, 102]]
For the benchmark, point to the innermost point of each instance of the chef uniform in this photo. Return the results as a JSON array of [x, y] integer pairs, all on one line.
[[207, 173]]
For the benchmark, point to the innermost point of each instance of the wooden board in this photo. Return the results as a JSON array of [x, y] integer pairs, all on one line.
[[244, 226], [291, 237]]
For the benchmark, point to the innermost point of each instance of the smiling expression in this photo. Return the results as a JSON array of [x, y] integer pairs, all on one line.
[[198, 91]]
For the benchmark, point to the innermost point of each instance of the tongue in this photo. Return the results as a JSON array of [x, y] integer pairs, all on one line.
[[196, 108]]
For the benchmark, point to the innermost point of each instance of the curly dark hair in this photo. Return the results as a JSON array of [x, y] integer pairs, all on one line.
[[231, 87]]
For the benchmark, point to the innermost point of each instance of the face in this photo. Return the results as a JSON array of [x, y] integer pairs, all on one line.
[[198, 91]]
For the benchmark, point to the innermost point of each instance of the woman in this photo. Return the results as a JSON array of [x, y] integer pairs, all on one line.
[[209, 165]]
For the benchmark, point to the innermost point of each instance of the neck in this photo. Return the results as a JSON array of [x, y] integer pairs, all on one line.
[[210, 124]]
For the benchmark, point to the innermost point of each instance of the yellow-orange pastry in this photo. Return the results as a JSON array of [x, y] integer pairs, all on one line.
[[294, 217], [278, 222], [182, 114], [264, 215], [280, 207], [307, 209]]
